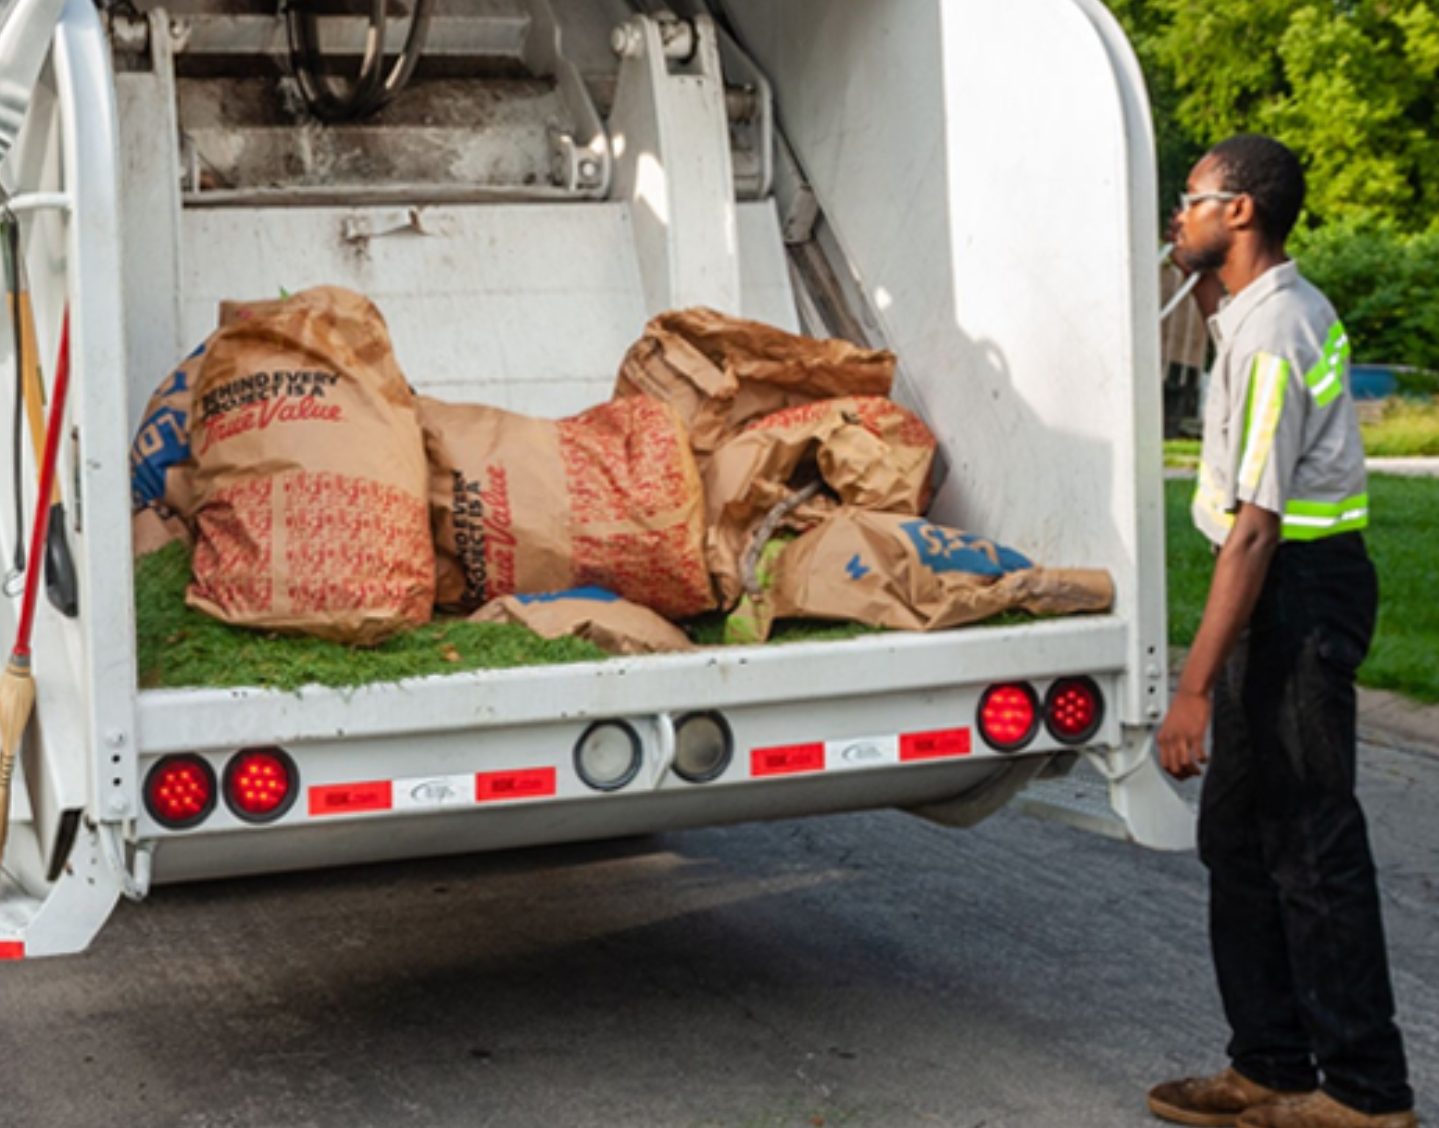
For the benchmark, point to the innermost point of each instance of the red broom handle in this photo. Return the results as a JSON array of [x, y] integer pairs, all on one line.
[[47, 485]]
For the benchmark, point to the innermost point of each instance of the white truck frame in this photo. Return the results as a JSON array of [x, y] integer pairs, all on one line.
[[969, 183]]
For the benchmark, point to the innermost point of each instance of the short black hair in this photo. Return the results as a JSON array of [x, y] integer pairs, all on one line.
[[1269, 173]]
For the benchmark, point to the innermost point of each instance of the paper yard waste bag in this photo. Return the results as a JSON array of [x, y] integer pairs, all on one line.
[[615, 625], [310, 475], [609, 498], [161, 469], [721, 373], [890, 570], [151, 530], [865, 451]]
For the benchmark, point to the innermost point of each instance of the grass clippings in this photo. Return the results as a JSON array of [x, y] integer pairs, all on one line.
[[178, 646]]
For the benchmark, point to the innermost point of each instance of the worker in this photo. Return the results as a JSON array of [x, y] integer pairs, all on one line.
[[1295, 926]]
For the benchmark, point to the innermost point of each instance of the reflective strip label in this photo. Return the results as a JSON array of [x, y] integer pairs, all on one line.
[[1208, 498], [1325, 379], [351, 798], [1266, 401], [533, 783], [862, 752], [939, 745], [12, 949], [429, 792], [1310, 520], [791, 759]]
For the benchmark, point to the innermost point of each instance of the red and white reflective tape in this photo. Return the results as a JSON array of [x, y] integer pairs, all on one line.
[[429, 793], [859, 752]]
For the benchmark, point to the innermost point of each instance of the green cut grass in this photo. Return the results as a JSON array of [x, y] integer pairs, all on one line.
[[179, 646], [1403, 539]]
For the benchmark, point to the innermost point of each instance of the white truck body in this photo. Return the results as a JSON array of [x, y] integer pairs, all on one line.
[[966, 182]]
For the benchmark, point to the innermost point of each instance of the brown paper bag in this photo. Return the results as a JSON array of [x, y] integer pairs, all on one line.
[[161, 469], [310, 475], [890, 570], [151, 530], [610, 498], [615, 625], [721, 373], [162, 466], [867, 451]]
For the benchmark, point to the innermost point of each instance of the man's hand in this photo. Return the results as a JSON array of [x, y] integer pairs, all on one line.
[[1181, 737]]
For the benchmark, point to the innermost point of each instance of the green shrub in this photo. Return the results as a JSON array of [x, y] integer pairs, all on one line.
[[1385, 285]]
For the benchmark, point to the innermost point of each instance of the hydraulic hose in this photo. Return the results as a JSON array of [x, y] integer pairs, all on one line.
[[372, 88]]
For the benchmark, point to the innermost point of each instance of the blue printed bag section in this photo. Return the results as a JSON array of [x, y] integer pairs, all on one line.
[[947, 550], [163, 438], [592, 594]]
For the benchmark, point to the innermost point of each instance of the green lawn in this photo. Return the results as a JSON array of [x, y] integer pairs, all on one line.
[[1403, 538]]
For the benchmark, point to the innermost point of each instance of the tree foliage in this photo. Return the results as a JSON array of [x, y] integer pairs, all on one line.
[[1352, 86], [1384, 283]]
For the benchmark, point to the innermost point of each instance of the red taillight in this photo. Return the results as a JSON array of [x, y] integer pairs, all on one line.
[[260, 784], [180, 791], [1073, 710], [1009, 716]]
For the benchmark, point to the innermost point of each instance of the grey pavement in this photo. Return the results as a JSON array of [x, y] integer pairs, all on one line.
[[857, 971], [1410, 467], [1392, 721]]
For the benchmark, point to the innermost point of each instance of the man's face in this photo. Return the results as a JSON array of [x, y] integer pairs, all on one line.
[[1200, 235]]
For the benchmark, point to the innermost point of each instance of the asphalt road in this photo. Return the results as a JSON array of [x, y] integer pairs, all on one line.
[[868, 970]]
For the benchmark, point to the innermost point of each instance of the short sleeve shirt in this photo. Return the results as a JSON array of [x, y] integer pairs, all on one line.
[[1280, 429]]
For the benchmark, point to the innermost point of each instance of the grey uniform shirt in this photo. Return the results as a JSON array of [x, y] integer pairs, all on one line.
[[1280, 430]]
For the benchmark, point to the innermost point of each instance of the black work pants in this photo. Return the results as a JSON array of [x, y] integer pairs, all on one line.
[[1295, 923]]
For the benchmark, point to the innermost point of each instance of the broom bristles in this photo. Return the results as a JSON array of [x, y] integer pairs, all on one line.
[[17, 702]]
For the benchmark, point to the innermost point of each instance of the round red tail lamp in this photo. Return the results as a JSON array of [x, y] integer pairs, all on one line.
[[260, 784], [1009, 716], [180, 791], [1073, 710]]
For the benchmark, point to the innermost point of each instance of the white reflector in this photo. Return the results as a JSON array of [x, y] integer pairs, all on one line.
[[703, 747], [608, 755]]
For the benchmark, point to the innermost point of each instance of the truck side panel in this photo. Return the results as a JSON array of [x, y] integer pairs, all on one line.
[[1009, 267]]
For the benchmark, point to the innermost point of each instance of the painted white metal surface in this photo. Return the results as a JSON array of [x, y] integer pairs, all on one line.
[[26, 27], [670, 138], [1009, 264], [178, 720], [99, 459], [988, 174], [150, 218], [529, 307]]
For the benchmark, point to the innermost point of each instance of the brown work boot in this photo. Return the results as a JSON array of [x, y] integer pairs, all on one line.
[[1210, 1102], [1320, 1110]]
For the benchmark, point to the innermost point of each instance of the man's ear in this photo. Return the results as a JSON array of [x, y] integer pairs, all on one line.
[[1242, 214]]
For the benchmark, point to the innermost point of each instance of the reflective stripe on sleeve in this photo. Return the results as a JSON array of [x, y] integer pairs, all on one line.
[[1209, 498], [1310, 520], [1325, 379], [1261, 417]]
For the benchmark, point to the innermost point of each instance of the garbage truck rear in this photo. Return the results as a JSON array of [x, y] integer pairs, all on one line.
[[968, 184]]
